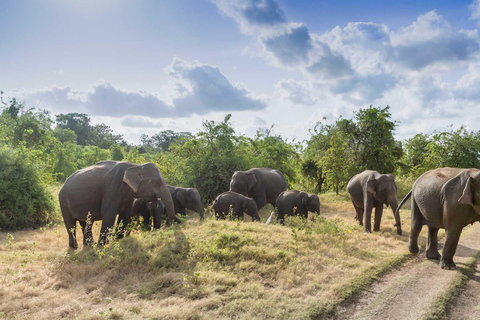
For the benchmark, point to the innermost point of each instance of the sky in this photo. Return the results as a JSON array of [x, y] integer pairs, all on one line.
[[145, 66]]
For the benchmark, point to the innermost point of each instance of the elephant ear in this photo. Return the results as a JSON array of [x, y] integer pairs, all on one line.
[[251, 180], [305, 200], [302, 197], [244, 205], [467, 195], [371, 186], [181, 197], [133, 177]]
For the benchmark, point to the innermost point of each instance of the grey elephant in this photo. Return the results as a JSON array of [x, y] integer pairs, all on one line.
[[238, 203], [446, 198], [302, 202], [262, 184], [148, 210], [369, 190], [105, 189], [186, 198]]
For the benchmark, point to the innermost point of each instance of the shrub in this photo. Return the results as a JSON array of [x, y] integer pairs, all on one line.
[[24, 200]]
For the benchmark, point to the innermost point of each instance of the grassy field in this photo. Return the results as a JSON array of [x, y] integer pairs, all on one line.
[[199, 270]]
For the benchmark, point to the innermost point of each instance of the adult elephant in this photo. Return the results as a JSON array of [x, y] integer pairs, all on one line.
[[186, 198], [105, 189], [262, 184], [302, 202], [369, 190], [238, 203], [148, 210], [446, 198]]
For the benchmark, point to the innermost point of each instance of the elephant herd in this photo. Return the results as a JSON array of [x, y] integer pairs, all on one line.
[[447, 198]]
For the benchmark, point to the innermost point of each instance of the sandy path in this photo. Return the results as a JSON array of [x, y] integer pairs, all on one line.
[[467, 305], [409, 291]]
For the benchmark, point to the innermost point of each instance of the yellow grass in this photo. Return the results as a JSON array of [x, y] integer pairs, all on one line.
[[214, 269]]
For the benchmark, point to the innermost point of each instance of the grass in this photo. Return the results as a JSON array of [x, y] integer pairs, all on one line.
[[440, 309], [211, 269]]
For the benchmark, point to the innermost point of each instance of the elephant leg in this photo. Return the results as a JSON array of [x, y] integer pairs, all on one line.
[[123, 222], [416, 227], [432, 242], [71, 225], [359, 213], [87, 233], [378, 216], [108, 221], [146, 223], [368, 213], [451, 242], [260, 201]]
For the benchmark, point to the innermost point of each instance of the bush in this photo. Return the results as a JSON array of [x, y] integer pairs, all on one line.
[[24, 200]]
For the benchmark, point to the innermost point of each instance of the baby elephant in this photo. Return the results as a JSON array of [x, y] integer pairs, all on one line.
[[147, 210], [239, 204], [302, 202]]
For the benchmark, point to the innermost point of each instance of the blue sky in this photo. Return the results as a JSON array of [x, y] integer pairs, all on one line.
[[145, 66]]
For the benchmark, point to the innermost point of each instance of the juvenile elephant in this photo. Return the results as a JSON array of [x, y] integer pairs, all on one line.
[[371, 189], [186, 198], [302, 202], [239, 203], [447, 198], [147, 210], [105, 189], [262, 184]]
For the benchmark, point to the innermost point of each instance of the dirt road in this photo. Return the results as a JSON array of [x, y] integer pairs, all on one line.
[[415, 290]]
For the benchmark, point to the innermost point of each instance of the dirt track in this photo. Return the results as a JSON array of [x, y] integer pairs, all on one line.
[[411, 291]]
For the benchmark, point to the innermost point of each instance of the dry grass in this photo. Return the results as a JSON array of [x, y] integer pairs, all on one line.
[[214, 269]]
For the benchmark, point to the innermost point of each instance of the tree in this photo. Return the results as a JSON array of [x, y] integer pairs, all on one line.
[[333, 162], [377, 146], [78, 123]]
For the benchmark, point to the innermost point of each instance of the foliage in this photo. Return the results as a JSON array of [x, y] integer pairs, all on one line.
[[24, 199]]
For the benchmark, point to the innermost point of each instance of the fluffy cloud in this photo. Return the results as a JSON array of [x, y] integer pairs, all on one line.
[[252, 14], [140, 122], [475, 9], [298, 92], [431, 39], [199, 89]]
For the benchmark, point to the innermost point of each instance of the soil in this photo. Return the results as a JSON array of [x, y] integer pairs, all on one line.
[[410, 291]]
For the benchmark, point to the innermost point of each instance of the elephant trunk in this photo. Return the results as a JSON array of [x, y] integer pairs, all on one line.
[[394, 205], [168, 202]]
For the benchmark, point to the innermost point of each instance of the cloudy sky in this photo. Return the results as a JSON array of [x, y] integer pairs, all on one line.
[[145, 66]]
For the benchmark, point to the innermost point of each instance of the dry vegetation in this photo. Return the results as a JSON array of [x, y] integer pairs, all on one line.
[[214, 269]]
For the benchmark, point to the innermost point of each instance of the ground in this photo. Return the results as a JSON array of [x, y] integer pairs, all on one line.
[[211, 269]]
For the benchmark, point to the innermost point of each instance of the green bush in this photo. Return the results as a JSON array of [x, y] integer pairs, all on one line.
[[24, 200]]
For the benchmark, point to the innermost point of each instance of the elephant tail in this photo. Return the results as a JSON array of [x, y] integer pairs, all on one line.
[[397, 212]]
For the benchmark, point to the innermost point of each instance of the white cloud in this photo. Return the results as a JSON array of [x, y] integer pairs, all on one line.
[[475, 10], [140, 122], [298, 92], [198, 89]]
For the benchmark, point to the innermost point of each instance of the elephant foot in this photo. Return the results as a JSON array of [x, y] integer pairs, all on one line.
[[433, 254], [367, 231], [376, 229], [413, 248], [448, 264]]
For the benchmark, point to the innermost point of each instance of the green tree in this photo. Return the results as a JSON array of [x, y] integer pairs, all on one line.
[[78, 123], [333, 162]]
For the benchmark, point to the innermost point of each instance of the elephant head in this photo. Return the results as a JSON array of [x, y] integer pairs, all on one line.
[[242, 182], [471, 192], [147, 183], [250, 208], [190, 199], [384, 190], [156, 208], [311, 202]]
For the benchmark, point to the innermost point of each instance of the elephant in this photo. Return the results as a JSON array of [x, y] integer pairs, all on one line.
[[262, 184], [239, 204], [103, 190], [446, 198], [147, 210], [370, 189], [186, 198], [302, 202]]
